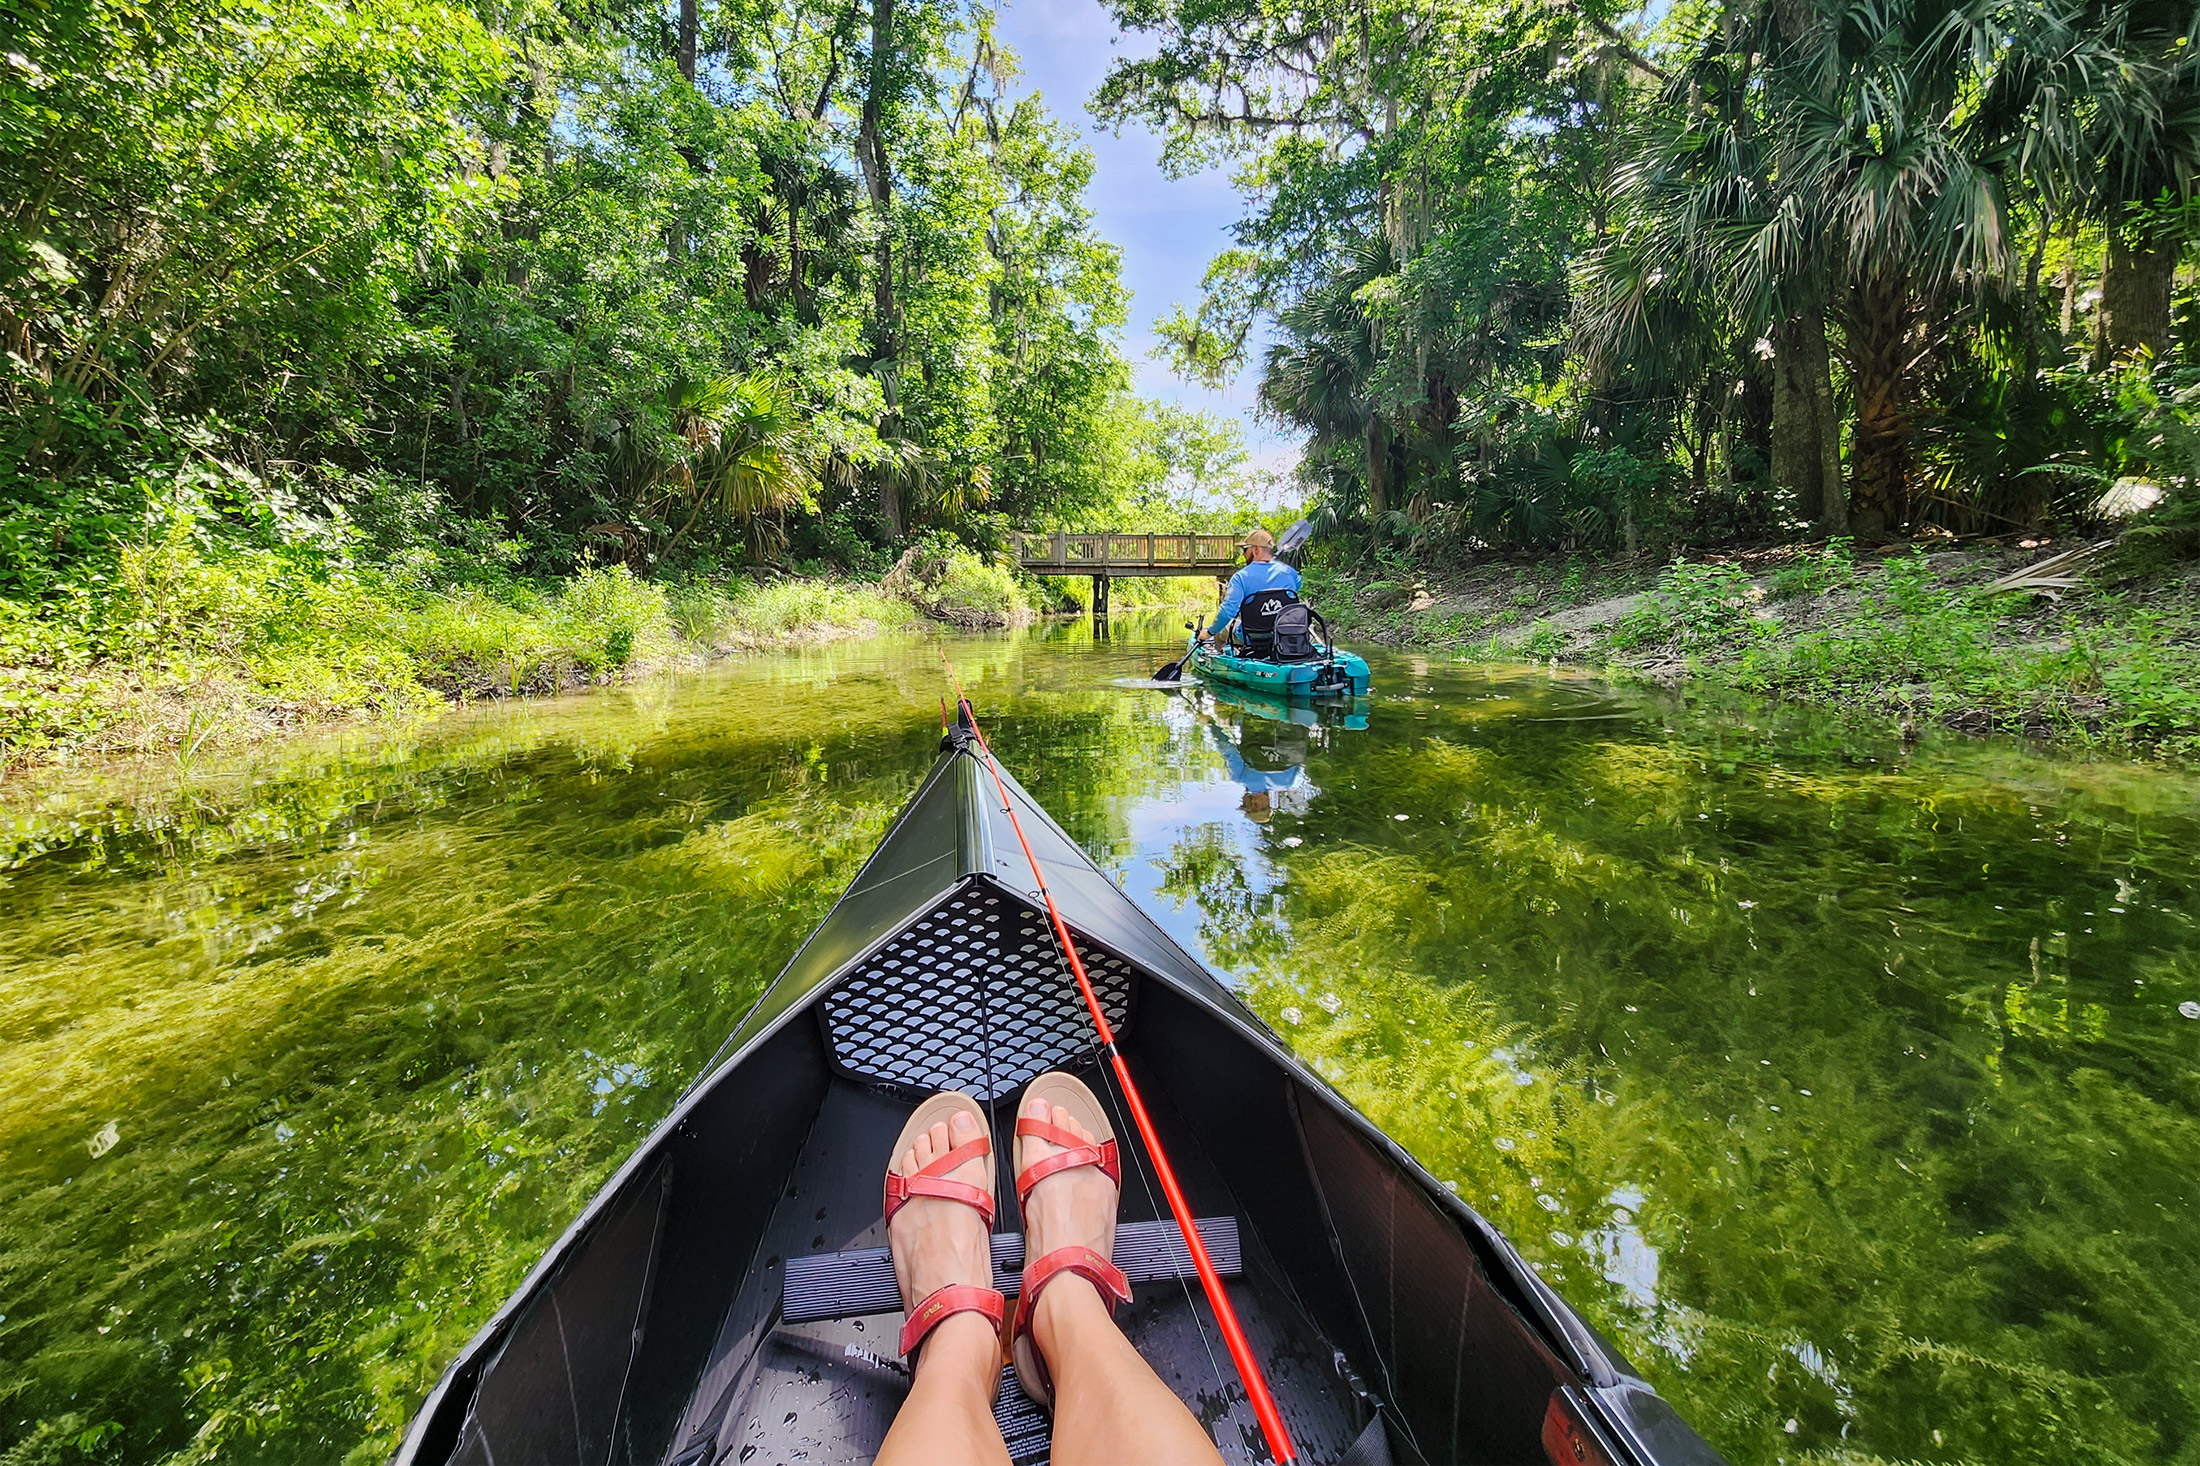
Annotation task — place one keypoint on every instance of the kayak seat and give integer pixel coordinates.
(1276, 626)
(1256, 620)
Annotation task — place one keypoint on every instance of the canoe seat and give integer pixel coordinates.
(831, 1285)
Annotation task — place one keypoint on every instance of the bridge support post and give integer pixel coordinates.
(1099, 595)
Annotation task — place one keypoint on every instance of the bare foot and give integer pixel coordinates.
(937, 1242)
(1073, 1208)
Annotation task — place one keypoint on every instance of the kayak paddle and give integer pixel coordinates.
(1174, 671)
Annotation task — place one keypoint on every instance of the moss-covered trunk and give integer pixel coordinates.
(2135, 292)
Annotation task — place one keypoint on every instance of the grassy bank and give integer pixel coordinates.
(186, 645)
(2107, 652)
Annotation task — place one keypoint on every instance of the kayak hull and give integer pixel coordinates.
(1341, 675)
(665, 1326)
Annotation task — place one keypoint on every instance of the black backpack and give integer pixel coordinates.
(1294, 633)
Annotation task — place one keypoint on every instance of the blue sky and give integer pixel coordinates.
(1167, 228)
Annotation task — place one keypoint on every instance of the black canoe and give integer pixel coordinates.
(721, 1300)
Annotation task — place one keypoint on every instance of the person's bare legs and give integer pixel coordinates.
(1110, 1408)
(948, 1418)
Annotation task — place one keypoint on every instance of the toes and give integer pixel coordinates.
(961, 1130)
(928, 1146)
(1067, 1121)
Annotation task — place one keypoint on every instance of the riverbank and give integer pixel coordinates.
(2098, 643)
(182, 652)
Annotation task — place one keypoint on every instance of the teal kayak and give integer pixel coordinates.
(1333, 674)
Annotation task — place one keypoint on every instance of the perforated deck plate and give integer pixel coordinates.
(1024, 1427)
(852, 1284)
(974, 996)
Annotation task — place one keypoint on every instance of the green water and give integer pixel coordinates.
(1846, 1086)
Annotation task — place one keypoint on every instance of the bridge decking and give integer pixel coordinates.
(1126, 555)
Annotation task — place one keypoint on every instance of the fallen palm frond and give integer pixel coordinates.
(2055, 574)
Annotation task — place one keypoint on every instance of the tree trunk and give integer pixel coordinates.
(1378, 468)
(889, 507)
(689, 25)
(1879, 468)
(1805, 347)
(878, 177)
(2135, 291)
(1795, 457)
(1833, 503)
(878, 180)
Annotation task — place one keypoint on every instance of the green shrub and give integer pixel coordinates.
(974, 590)
(757, 613)
(605, 619)
(1135, 593)
(1695, 608)
(949, 582)
(1543, 640)
(1816, 574)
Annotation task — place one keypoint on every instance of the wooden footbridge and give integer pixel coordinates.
(1108, 556)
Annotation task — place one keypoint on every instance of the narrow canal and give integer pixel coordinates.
(1852, 1087)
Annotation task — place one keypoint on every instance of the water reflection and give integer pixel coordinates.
(1847, 1083)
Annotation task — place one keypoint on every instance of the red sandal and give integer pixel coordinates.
(941, 1304)
(1094, 1265)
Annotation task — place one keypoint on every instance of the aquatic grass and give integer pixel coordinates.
(295, 1229)
(1831, 1136)
(1913, 1224)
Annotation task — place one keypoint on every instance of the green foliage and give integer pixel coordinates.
(1590, 277)
(1905, 640)
(2160, 414)
(759, 613)
(1816, 572)
(952, 584)
(399, 340)
(1695, 607)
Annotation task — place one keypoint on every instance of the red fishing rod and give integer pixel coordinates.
(1233, 1335)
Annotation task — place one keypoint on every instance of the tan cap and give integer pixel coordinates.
(1259, 539)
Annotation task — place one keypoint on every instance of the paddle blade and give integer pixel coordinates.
(1170, 671)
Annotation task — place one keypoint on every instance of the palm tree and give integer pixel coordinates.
(736, 443)
(2100, 101)
(1321, 375)
(1851, 176)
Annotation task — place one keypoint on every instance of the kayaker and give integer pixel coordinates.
(1070, 1357)
(1262, 571)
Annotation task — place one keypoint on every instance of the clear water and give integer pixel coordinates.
(1851, 1087)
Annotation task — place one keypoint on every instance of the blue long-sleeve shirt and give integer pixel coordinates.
(1260, 575)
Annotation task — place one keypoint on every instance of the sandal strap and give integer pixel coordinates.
(932, 1181)
(942, 1304)
(1076, 1153)
(1099, 1271)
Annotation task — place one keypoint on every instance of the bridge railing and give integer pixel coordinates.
(1064, 553)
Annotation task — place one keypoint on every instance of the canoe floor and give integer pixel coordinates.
(826, 1392)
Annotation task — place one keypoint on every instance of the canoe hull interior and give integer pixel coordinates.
(1395, 1324)
(1344, 676)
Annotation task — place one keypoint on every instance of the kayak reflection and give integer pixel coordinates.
(1265, 742)
(1232, 702)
